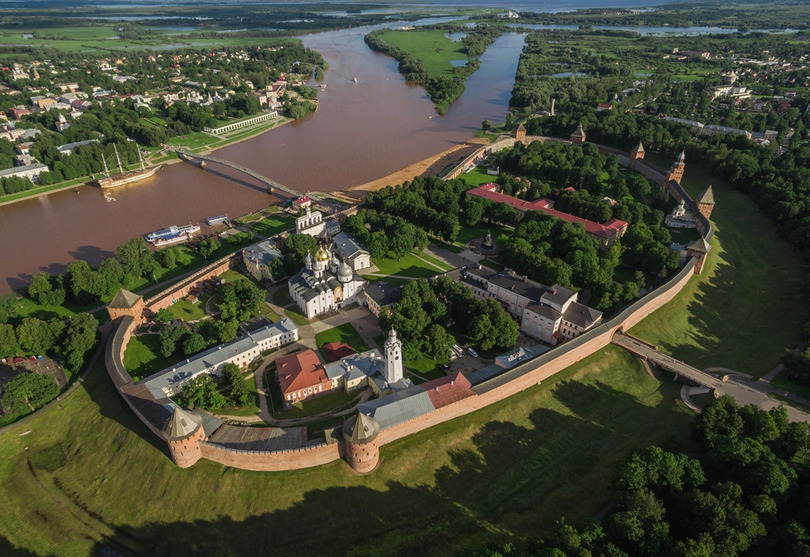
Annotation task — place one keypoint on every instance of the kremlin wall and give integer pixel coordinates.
(359, 444)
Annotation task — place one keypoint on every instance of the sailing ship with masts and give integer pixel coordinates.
(128, 177)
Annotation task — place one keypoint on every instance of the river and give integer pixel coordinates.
(361, 131)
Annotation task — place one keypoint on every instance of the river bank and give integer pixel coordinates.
(430, 166)
(160, 158)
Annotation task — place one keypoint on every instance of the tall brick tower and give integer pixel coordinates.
(360, 447)
(520, 134)
(699, 249)
(705, 202)
(636, 154)
(676, 172)
(184, 431)
(578, 136)
(126, 303)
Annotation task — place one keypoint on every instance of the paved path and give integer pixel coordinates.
(666, 361)
(738, 386)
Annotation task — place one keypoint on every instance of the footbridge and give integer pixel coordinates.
(272, 185)
(651, 354)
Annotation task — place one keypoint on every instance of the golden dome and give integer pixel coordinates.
(322, 255)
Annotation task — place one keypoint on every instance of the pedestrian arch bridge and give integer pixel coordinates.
(272, 185)
(652, 354)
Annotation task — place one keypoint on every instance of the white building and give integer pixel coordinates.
(325, 284)
(352, 251)
(257, 258)
(549, 314)
(241, 352)
(30, 171)
(310, 223)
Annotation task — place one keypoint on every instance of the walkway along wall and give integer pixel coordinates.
(488, 392)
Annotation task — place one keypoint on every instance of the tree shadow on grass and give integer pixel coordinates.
(496, 490)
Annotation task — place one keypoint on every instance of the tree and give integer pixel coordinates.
(27, 392)
(40, 284)
(136, 257)
(238, 392)
(164, 315)
(35, 336)
(202, 392)
(8, 340)
(80, 337)
(169, 337)
(226, 329)
(486, 125)
(438, 342)
(209, 246)
(193, 344)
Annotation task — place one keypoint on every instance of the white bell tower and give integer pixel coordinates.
(393, 357)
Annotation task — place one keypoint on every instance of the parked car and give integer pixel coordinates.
(472, 352)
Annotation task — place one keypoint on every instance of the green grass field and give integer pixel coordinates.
(432, 47)
(187, 311)
(92, 474)
(743, 312)
(274, 224)
(410, 266)
(142, 356)
(345, 333)
(476, 177)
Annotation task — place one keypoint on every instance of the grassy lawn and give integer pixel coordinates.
(281, 297)
(741, 312)
(495, 475)
(187, 311)
(476, 177)
(270, 226)
(249, 409)
(335, 401)
(409, 266)
(296, 317)
(142, 356)
(426, 367)
(467, 233)
(345, 333)
(432, 47)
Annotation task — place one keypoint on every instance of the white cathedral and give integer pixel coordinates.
(324, 284)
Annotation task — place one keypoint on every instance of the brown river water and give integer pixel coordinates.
(361, 131)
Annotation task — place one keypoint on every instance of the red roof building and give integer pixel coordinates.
(301, 203)
(606, 233)
(337, 351)
(301, 376)
(447, 390)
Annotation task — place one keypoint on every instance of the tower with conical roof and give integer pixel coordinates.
(698, 249)
(676, 172)
(636, 153)
(360, 447)
(393, 357)
(184, 431)
(520, 134)
(126, 303)
(578, 136)
(705, 202)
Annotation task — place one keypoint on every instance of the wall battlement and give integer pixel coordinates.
(493, 390)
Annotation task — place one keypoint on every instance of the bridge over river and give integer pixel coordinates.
(272, 185)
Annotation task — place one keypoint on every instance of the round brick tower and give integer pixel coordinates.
(361, 449)
(184, 431)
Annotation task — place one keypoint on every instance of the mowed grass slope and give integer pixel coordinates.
(432, 47)
(745, 310)
(92, 474)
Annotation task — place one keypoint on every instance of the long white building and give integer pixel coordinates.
(241, 352)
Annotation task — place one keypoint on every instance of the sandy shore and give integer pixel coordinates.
(430, 166)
